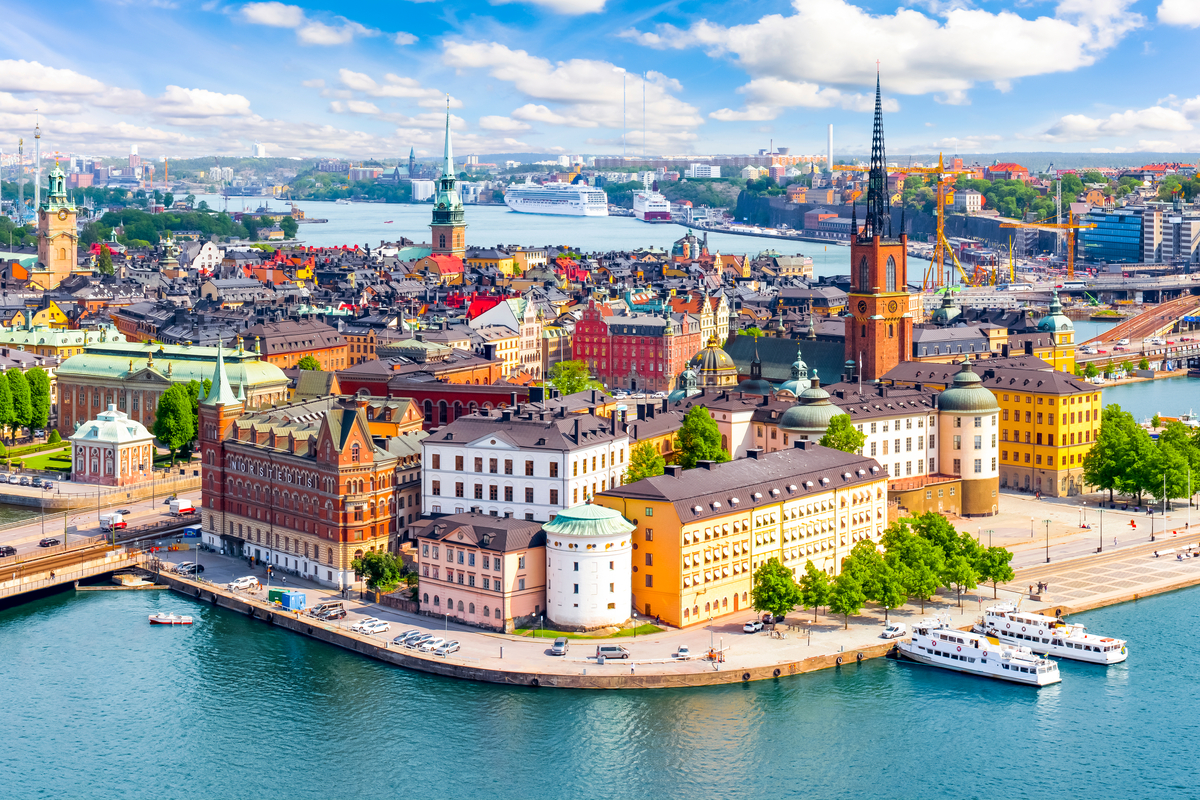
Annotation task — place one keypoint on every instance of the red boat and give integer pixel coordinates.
(169, 619)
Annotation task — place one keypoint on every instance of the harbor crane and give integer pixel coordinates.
(1069, 227)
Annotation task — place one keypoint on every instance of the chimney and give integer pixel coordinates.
(485, 411)
(649, 411)
(512, 399)
(673, 470)
(1004, 350)
(755, 453)
(706, 464)
(506, 415)
(1028, 347)
(802, 444)
(665, 405)
(593, 396)
(615, 419)
(576, 429)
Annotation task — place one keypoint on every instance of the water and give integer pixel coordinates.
(17, 513)
(237, 709)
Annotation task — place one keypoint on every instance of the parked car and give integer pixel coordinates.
(24, 480)
(683, 653)
(358, 626)
(7, 550)
(560, 647)
(48, 542)
(248, 582)
(753, 626)
(191, 569)
(332, 613)
(181, 565)
(47, 485)
(416, 641)
(894, 630)
(14, 478)
(404, 637)
(432, 644)
(378, 626)
(447, 649)
(37, 482)
(611, 651)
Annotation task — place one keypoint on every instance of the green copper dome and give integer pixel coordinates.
(589, 520)
(967, 395)
(1056, 321)
(812, 412)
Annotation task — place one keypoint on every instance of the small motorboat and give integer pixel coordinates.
(169, 619)
(387, 222)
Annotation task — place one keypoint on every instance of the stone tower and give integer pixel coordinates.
(58, 240)
(217, 413)
(879, 334)
(448, 228)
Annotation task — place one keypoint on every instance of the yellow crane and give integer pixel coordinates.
(1069, 226)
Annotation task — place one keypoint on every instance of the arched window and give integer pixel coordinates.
(354, 452)
(436, 601)
(442, 412)
(429, 411)
(890, 330)
(487, 612)
(891, 274)
(864, 275)
(471, 608)
(425, 599)
(497, 613)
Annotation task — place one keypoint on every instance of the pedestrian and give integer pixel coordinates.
(1114, 541)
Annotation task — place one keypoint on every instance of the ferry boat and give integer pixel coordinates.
(935, 644)
(341, 201)
(651, 206)
(169, 619)
(561, 199)
(1049, 636)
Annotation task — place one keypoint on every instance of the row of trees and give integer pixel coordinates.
(24, 399)
(1125, 460)
(920, 555)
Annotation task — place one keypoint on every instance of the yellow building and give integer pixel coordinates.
(500, 260)
(508, 345)
(59, 342)
(51, 317)
(701, 534)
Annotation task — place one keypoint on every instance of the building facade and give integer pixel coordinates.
(588, 568)
(58, 238)
(639, 352)
(112, 450)
(285, 343)
(448, 228)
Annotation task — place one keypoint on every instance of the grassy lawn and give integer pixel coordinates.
(642, 630)
(58, 460)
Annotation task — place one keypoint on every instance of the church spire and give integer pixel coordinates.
(448, 156)
(220, 393)
(877, 199)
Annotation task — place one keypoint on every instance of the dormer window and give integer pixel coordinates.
(355, 452)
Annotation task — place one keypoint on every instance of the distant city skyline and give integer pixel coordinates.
(553, 76)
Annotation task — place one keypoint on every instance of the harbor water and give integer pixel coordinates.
(101, 704)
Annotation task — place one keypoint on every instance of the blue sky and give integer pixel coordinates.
(371, 79)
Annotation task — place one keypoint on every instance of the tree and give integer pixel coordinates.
(194, 390)
(251, 226)
(174, 423)
(381, 570)
(645, 462)
(39, 396)
(22, 401)
(751, 331)
(104, 261)
(1144, 363)
(960, 574)
(54, 438)
(1111, 456)
(699, 439)
(570, 377)
(992, 565)
(880, 583)
(203, 206)
(7, 418)
(846, 597)
(168, 200)
(190, 200)
(774, 589)
(308, 362)
(842, 435)
(289, 227)
(814, 588)
(1090, 371)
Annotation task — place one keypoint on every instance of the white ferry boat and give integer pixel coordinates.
(935, 644)
(341, 201)
(1049, 636)
(651, 206)
(565, 199)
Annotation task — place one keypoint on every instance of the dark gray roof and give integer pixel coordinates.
(529, 430)
(712, 490)
(879, 402)
(498, 534)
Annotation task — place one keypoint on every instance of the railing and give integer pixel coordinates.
(22, 586)
(74, 545)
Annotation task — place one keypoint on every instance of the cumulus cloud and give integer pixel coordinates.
(502, 124)
(308, 31)
(401, 38)
(1179, 12)
(1079, 127)
(766, 98)
(177, 101)
(554, 92)
(392, 86)
(31, 76)
(922, 53)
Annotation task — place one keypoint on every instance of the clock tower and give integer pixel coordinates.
(448, 228)
(58, 239)
(879, 330)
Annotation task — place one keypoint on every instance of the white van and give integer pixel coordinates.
(611, 651)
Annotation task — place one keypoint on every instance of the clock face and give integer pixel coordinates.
(862, 306)
(62, 213)
(892, 306)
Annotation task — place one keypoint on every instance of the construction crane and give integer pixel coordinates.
(1069, 227)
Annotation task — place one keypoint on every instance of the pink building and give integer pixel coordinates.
(112, 450)
(482, 570)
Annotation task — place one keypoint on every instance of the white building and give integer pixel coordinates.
(648, 178)
(112, 450)
(260, 150)
(703, 171)
(520, 463)
(589, 553)
(422, 190)
(969, 201)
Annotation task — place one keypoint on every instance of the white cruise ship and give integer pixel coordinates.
(1050, 636)
(935, 644)
(565, 199)
(649, 206)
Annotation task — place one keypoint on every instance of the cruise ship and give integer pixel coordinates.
(935, 644)
(649, 206)
(565, 199)
(1049, 636)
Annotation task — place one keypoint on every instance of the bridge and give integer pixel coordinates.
(1106, 287)
(1151, 323)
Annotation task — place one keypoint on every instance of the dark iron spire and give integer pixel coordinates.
(877, 197)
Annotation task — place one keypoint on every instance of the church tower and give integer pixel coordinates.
(449, 229)
(58, 240)
(217, 413)
(879, 334)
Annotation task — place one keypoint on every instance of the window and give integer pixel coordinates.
(891, 275)
(493, 492)
(554, 497)
(864, 277)
(354, 454)
(978, 442)
(508, 494)
(437, 488)
(458, 489)
(529, 469)
(479, 491)
(957, 466)
(493, 465)
(520, 586)
(649, 581)
(574, 469)
(528, 494)
(649, 535)
(508, 466)
(479, 465)
(649, 559)
(437, 461)
(553, 469)
(978, 466)
(576, 585)
(979, 422)
(458, 463)
(575, 495)
(958, 443)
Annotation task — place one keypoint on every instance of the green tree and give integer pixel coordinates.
(1090, 371)
(251, 225)
(55, 438)
(842, 435)
(1144, 363)
(168, 200)
(194, 389)
(308, 362)
(39, 395)
(992, 564)
(814, 588)
(645, 462)
(22, 399)
(960, 574)
(774, 589)
(751, 331)
(174, 422)
(880, 583)
(289, 227)
(190, 200)
(1112, 455)
(846, 597)
(104, 261)
(570, 377)
(699, 439)
(1071, 186)
(916, 560)
(381, 570)
(7, 416)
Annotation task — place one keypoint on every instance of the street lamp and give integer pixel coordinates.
(1100, 549)
(1047, 540)
(990, 532)
(1031, 527)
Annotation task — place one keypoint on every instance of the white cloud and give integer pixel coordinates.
(502, 124)
(179, 102)
(276, 15)
(768, 97)
(570, 7)
(315, 83)
(1079, 127)
(1179, 12)
(308, 31)
(392, 86)
(921, 53)
(554, 89)
(31, 76)
(319, 33)
(402, 38)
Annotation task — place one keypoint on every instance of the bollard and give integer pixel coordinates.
(501, 651)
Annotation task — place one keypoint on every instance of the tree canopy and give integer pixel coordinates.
(174, 422)
(380, 569)
(774, 589)
(842, 435)
(699, 439)
(39, 393)
(814, 588)
(22, 400)
(645, 462)
(309, 361)
(570, 377)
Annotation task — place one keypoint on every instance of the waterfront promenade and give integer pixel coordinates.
(1079, 579)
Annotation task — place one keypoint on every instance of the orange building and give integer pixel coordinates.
(285, 343)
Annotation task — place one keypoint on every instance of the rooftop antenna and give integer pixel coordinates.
(37, 163)
(643, 115)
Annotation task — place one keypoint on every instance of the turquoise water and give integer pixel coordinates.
(99, 704)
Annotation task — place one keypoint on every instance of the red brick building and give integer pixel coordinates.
(640, 352)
